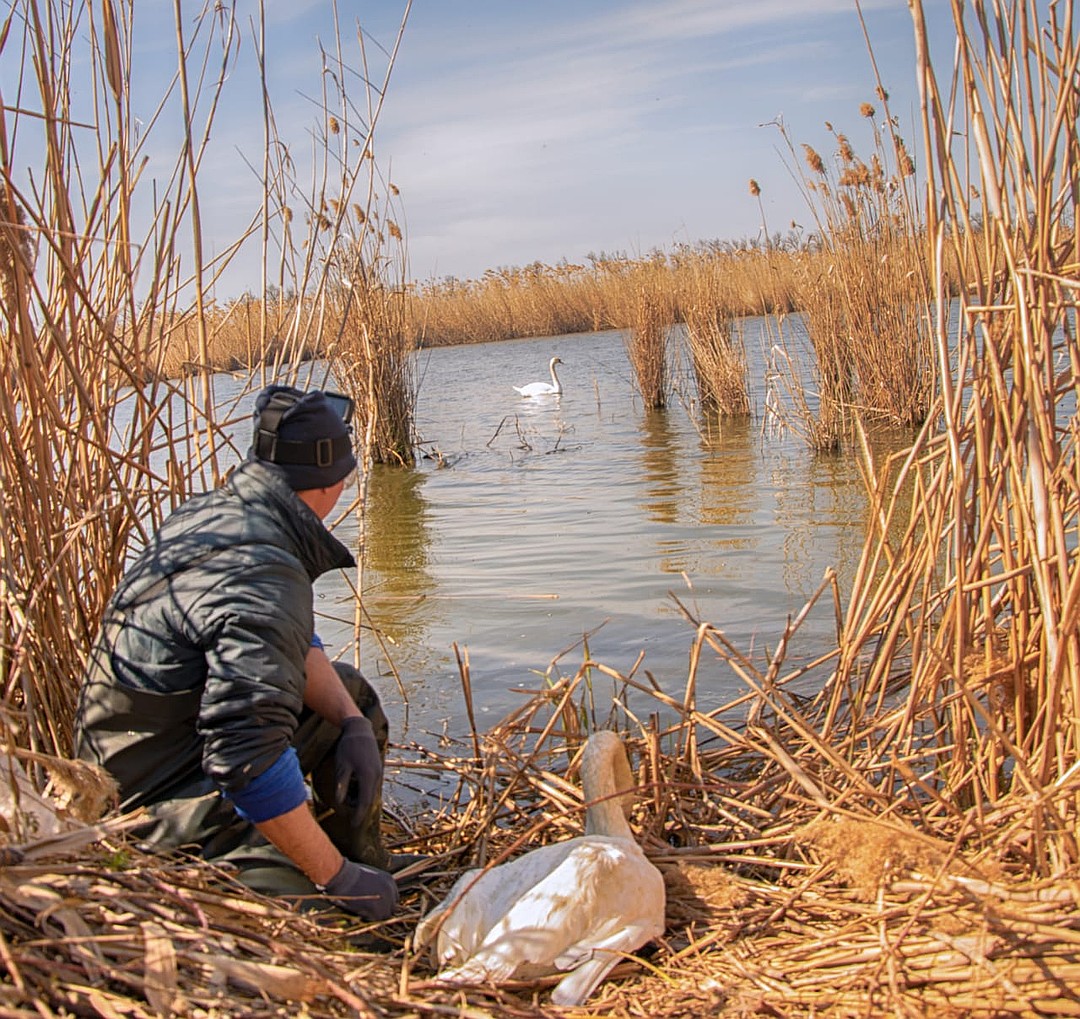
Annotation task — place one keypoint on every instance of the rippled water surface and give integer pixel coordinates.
(533, 523)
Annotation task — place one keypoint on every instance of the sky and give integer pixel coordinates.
(521, 132)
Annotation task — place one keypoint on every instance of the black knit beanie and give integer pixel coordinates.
(311, 444)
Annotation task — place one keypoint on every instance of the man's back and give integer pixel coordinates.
(196, 677)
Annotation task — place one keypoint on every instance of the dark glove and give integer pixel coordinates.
(358, 770)
(365, 891)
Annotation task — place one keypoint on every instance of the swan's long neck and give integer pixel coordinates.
(605, 772)
(554, 377)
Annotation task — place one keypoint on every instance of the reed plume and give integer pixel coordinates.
(864, 295)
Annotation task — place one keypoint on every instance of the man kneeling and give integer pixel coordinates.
(208, 695)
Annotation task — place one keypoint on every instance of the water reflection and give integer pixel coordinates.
(795, 517)
(555, 517)
(397, 543)
(730, 491)
(660, 467)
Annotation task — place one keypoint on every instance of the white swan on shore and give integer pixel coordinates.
(575, 907)
(553, 388)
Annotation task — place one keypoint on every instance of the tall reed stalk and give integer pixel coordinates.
(108, 415)
(964, 633)
(361, 292)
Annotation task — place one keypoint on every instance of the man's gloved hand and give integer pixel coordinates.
(358, 772)
(365, 891)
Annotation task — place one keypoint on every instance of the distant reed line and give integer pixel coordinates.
(743, 280)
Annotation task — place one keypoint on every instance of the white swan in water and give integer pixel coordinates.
(574, 907)
(553, 388)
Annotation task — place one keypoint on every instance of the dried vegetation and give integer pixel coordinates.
(892, 829)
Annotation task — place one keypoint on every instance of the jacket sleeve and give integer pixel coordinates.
(257, 630)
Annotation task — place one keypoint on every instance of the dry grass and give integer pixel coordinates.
(891, 829)
(648, 345)
(794, 884)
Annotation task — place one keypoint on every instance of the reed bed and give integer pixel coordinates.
(865, 296)
(537, 300)
(717, 354)
(366, 343)
(95, 448)
(109, 416)
(785, 892)
(890, 828)
(648, 345)
(978, 595)
(543, 300)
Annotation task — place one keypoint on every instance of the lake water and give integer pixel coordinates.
(533, 523)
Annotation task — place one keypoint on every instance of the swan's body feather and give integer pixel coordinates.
(552, 388)
(576, 907)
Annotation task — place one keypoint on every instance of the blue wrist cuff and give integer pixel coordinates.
(316, 641)
(276, 791)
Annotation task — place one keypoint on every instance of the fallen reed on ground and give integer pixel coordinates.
(789, 887)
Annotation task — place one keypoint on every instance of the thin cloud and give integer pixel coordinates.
(525, 132)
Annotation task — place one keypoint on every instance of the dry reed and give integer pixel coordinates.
(94, 449)
(864, 296)
(717, 356)
(889, 829)
(648, 344)
(794, 883)
(109, 417)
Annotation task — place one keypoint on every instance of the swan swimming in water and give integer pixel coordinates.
(575, 907)
(552, 388)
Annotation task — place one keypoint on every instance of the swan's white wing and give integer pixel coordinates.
(629, 911)
(479, 899)
(536, 389)
(559, 915)
(587, 973)
(431, 928)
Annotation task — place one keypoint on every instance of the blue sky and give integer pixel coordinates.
(520, 132)
(547, 131)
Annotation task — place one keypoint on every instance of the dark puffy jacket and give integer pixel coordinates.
(196, 679)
